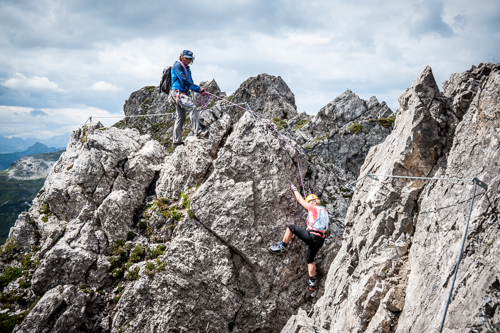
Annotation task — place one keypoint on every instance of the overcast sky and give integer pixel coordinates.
(62, 61)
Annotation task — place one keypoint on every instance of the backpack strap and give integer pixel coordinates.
(185, 69)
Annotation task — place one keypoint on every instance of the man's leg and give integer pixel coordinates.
(187, 103)
(179, 122)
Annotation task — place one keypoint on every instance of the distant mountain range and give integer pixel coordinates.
(20, 184)
(38, 148)
(16, 144)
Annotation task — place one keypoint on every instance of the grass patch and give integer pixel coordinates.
(318, 139)
(386, 122)
(279, 123)
(10, 274)
(356, 128)
(150, 89)
(301, 124)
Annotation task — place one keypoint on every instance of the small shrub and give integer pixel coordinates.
(45, 218)
(160, 249)
(136, 254)
(114, 261)
(117, 249)
(131, 235)
(157, 240)
(176, 215)
(116, 298)
(160, 267)
(142, 225)
(120, 288)
(191, 213)
(27, 261)
(150, 269)
(133, 275)
(165, 200)
(9, 274)
(101, 292)
(117, 273)
(45, 208)
(24, 284)
(83, 286)
(10, 245)
(185, 201)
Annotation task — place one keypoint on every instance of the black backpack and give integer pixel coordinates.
(166, 80)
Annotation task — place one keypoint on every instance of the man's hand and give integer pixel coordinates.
(294, 188)
(203, 92)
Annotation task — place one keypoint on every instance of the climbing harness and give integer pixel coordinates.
(476, 182)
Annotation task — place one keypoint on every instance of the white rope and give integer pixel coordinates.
(374, 176)
(142, 115)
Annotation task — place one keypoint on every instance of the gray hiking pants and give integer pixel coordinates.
(186, 105)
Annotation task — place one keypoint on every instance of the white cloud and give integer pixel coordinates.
(105, 86)
(21, 82)
(19, 121)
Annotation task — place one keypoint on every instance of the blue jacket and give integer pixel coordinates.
(180, 81)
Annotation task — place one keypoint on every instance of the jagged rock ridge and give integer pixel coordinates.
(128, 235)
(402, 236)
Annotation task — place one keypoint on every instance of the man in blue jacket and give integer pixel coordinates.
(180, 94)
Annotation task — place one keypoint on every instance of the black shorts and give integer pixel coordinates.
(314, 242)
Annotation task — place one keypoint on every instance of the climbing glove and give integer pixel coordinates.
(294, 188)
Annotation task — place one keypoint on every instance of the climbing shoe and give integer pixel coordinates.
(177, 144)
(311, 282)
(280, 248)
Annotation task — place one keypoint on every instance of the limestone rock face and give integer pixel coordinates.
(402, 236)
(344, 130)
(61, 309)
(267, 95)
(131, 235)
(89, 200)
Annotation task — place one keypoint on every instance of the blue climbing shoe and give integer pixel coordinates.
(280, 248)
